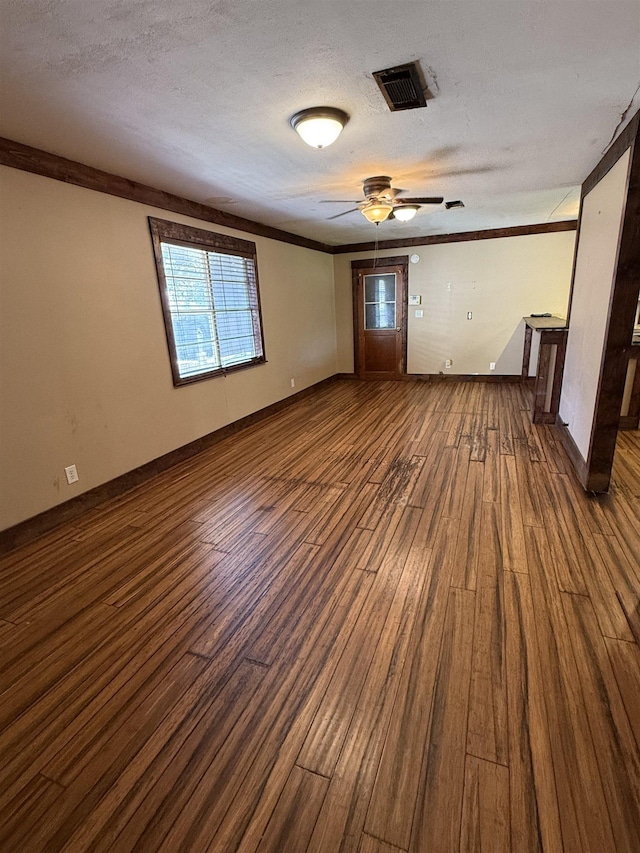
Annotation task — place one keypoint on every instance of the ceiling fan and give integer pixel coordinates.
(381, 201)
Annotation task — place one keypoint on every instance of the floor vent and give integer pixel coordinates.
(402, 87)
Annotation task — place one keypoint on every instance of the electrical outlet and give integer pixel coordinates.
(71, 473)
(449, 285)
(293, 383)
(492, 365)
(448, 362)
(469, 315)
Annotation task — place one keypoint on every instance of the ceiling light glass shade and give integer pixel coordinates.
(377, 211)
(405, 212)
(319, 126)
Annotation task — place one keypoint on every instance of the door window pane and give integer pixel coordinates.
(380, 316)
(380, 301)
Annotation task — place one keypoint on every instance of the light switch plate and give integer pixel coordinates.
(420, 313)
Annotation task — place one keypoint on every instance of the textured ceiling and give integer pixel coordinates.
(194, 97)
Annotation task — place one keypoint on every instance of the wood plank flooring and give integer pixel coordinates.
(385, 619)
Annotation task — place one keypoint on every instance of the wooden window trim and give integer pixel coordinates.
(164, 231)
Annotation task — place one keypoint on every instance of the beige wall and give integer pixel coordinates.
(499, 281)
(601, 220)
(85, 376)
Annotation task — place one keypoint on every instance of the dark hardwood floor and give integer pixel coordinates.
(385, 619)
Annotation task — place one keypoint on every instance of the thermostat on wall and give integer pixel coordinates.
(414, 259)
(415, 299)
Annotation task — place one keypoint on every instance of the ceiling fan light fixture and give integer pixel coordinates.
(319, 126)
(377, 211)
(405, 212)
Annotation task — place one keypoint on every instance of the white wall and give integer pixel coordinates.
(498, 280)
(85, 376)
(602, 216)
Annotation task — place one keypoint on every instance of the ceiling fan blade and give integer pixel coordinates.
(423, 200)
(353, 209)
(339, 201)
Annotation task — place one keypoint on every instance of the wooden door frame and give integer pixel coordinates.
(373, 263)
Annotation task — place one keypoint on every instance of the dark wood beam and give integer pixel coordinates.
(460, 237)
(612, 156)
(28, 159)
(622, 312)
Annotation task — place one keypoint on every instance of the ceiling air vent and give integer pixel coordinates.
(402, 87)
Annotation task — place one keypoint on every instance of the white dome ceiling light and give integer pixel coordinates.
(319, 126)
(405, 212)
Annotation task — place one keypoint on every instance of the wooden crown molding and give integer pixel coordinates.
(460, 237)
(28, 159)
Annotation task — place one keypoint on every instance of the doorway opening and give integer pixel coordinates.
(380, 289)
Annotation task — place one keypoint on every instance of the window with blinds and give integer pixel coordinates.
(210, 298)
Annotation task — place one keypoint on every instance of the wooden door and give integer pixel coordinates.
(380, 317)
